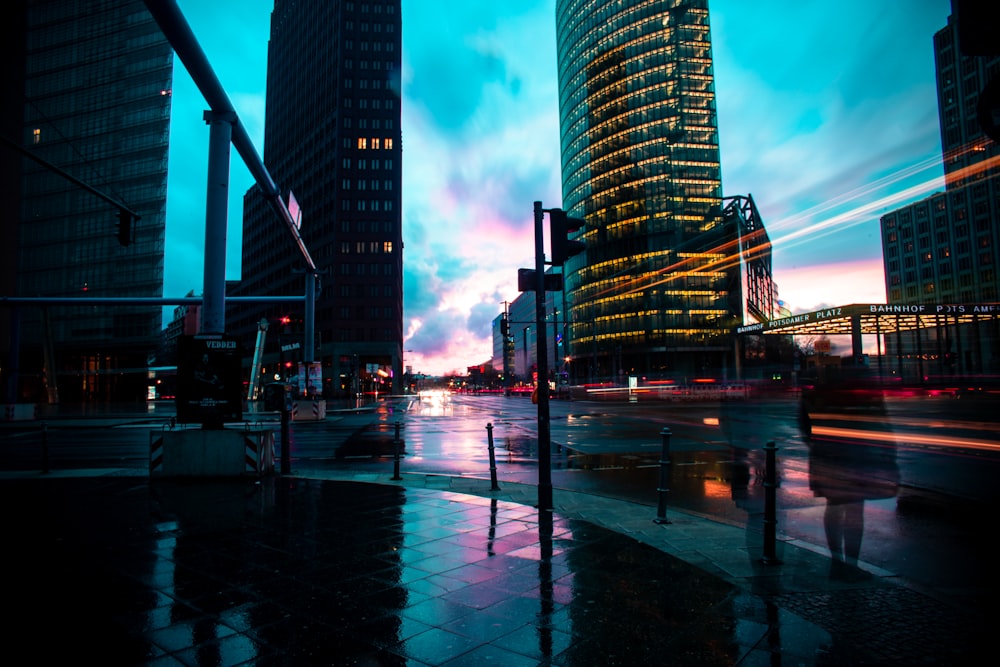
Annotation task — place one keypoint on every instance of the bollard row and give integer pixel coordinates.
(770, 495)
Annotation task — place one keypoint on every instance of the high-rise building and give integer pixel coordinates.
(656, 291)
(94, 105)
(332, 138)
(946, 248)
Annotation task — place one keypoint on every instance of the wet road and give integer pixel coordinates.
(925, 524)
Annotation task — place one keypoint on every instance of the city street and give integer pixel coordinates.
(921, 517)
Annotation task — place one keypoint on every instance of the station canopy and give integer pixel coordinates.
(875, 318)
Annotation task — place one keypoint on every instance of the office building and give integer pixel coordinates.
(945, 249)
(515, 351)
(656, 291)
(331, 139)
(93, 129)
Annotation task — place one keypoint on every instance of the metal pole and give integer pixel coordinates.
(213, 311)
(309, 342)
(661, 506)
(286, 454)
(541, 351)
(395, 464)
(493, 459)
(770, 506)
(175, 28)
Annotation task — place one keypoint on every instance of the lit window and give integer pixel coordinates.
(37, 135)
(362, 143)
(388, 144)
(375, 143)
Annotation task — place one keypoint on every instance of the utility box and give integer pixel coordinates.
(277, 396)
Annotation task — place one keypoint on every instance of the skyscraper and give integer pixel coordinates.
(656, 290)
(947, 247)
(332, 137)
(95, 110)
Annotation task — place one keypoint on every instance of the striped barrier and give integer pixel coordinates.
(155, 453)
(309, 410)
(198, 453)
(259, 452)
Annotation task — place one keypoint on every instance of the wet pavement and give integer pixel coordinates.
(341, 567)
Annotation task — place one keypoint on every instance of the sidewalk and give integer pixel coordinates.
(428, 570)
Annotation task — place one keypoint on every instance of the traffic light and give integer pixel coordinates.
(125, 220)
(504, 327)
(561, 226)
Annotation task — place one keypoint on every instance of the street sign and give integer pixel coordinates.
(294, 210)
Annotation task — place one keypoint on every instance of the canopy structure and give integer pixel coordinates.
(941, 339)
(875, 318)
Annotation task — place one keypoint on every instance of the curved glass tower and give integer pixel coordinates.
(657, 291)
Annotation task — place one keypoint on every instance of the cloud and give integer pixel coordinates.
(817, 106)
(809, 288)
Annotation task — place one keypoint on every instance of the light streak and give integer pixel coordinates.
(905, 438)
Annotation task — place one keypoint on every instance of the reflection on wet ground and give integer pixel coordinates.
(305, 572)
(708, 473)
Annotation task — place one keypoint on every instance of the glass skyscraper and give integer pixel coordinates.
(332, 137)
(656, 292)
(95, 109)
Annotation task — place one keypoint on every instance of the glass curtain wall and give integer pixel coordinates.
(651, 295)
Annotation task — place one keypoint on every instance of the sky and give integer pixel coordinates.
(827, 117)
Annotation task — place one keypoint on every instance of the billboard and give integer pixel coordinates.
(209, 380)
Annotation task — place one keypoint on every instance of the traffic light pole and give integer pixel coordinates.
(213, 309)
(542, 346)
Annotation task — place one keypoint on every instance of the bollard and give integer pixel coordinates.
(770, 506)
(661, 507)
(395, 463)
(45, 447)
(493, 460)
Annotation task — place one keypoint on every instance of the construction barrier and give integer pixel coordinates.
(207, 452)
(309, 410)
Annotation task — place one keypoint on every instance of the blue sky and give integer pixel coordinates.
(827, 116)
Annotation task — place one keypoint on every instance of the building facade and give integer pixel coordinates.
(945, 249)
(95, 116)
(332, 138)
(515, 351)
(656, 291)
